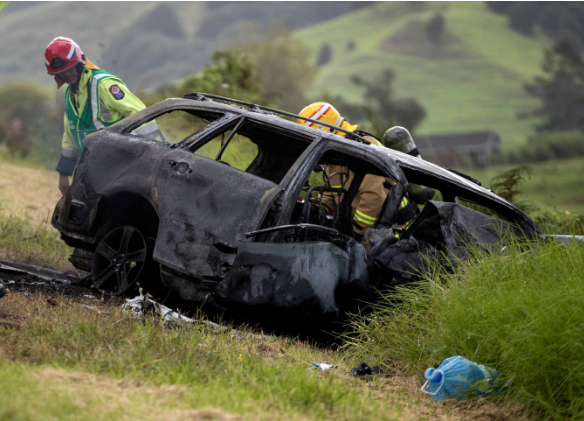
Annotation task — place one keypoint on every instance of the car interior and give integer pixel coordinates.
(309, 207)
(255, 148)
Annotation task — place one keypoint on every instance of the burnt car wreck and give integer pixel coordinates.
(217, 214)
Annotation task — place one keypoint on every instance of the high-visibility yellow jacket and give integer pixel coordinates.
(99, 100)
(367, 203)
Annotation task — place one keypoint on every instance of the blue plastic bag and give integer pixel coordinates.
(459, 378)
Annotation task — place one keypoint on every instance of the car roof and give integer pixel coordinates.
(408, 164)
(402, 159)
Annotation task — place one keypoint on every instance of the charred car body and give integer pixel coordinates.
(176, 216)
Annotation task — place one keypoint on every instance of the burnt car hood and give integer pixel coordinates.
(418, 171)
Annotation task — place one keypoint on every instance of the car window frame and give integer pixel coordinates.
(198, 139)
(134, 123)
(454, 188)
(239, 119)
(304, 165)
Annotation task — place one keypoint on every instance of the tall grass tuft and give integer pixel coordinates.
(520, 311)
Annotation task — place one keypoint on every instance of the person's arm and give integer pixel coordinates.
(337, 177)
(120, 102)
(118, 98)
(68, 160)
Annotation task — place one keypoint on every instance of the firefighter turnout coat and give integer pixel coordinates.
(368, 202)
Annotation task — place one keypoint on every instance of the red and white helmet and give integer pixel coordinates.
(62, 54)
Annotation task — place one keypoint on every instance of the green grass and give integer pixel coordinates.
(245, 375)
(34, 393)
(553, 184)
(34, 162)
(26, 242)
(520, 311)
(474, 81)
(28, 194)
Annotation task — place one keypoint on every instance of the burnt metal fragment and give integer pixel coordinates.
(363, 369)
(454, 228)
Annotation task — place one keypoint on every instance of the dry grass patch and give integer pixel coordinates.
(27, 199)
(59, 394)
(28, 193)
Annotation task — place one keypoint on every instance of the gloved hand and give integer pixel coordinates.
(318, 201)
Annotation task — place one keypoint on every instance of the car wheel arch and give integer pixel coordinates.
(125, 208)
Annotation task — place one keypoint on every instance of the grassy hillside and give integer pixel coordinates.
(553, 184)
(107, 35)
(472, 81)
(146, 43)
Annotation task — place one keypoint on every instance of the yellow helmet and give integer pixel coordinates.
(325, 112)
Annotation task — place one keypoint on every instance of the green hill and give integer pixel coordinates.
(555, 184)
(146, 43)
(472, 81)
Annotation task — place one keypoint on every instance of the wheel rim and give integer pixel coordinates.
(118, 260)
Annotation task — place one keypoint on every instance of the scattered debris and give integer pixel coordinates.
(66, 285)
(322, 366)
(41, 273)
(9, 269)
(141, 304)
(62, 284)
(92, 308)
(363, 369)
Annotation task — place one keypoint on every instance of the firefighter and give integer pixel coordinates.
(94, 99)
(368, 202)
(399, 139)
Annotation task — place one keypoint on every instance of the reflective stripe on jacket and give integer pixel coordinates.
(100, 100)
(367, 203)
